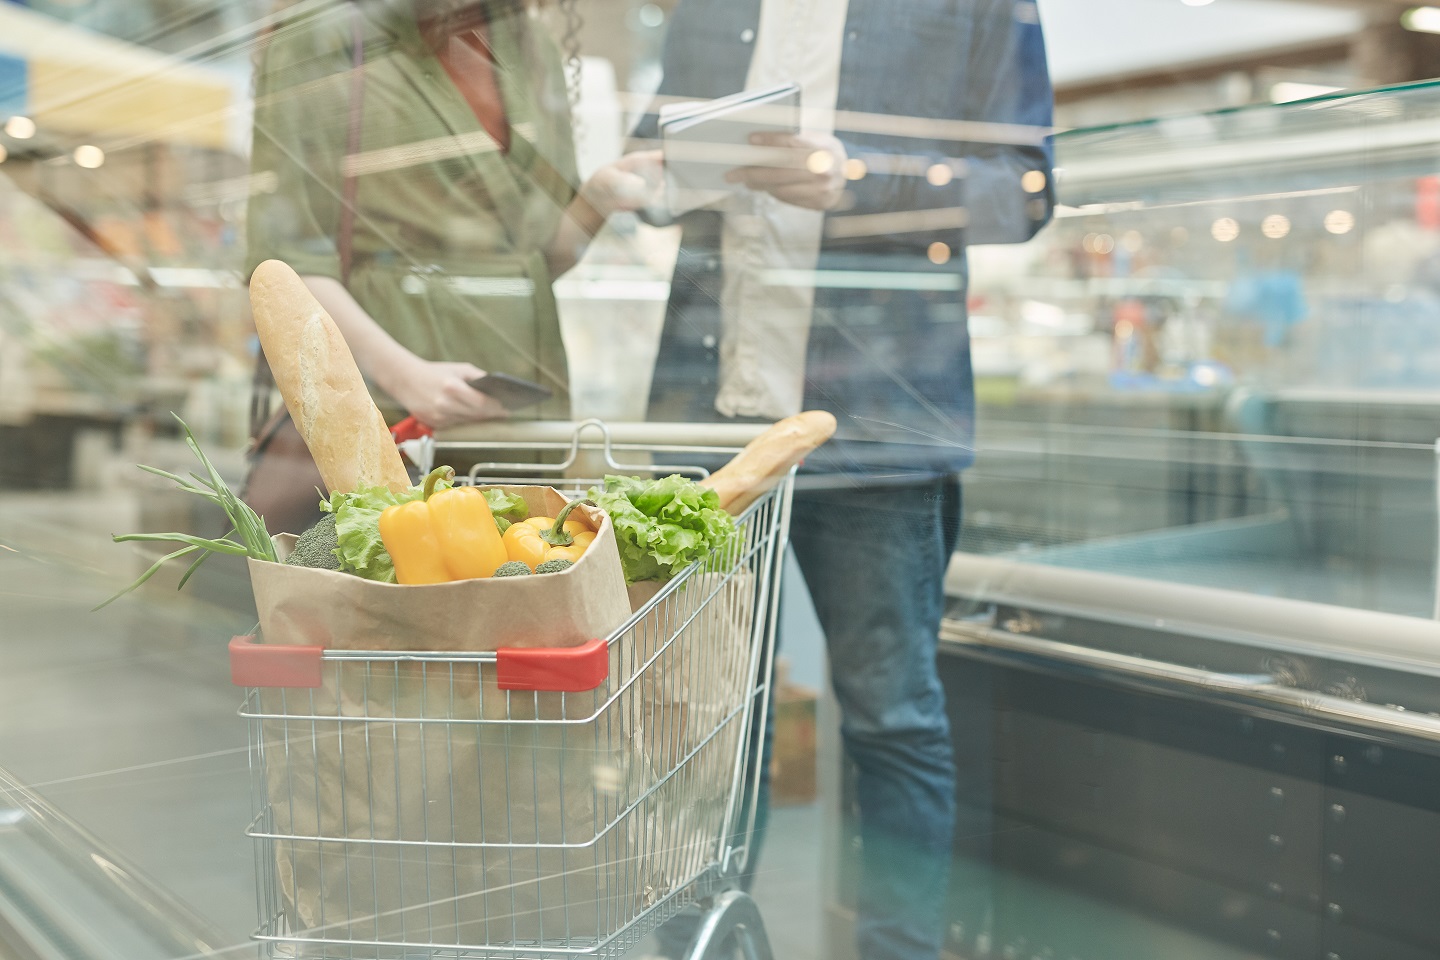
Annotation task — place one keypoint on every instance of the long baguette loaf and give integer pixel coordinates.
(321, 384)
(768, 457)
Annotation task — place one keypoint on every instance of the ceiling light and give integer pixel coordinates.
(820, 162)
(21, 128)
(89, 156)
(1225, 229)
(1421, 19)
(1339, 222)
(1276, 226)
(1197, 3)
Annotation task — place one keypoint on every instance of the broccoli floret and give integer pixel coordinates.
(513, 568)
(316, 546)
(554, 566)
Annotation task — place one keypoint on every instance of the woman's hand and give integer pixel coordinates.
(435, 392)
(438, 393)
(631, 183)
(809, 172)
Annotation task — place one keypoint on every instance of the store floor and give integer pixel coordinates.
(125, 720)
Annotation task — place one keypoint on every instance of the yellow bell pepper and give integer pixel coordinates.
(450, 535)
(535, 540)
(469, 539)
(410, 539)
(583, 539)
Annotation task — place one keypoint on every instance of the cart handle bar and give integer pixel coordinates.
(707, 436)
(532, 669)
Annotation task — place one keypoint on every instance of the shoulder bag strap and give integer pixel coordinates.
(352, 143)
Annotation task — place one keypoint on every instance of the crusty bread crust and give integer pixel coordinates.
(321, 384)
(768, 457)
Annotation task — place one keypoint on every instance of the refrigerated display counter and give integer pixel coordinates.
(1257, 770)
(1191, 651)
(65, 895)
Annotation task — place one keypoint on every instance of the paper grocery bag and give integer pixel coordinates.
(698, 642)
(304, 606)
(383, 783)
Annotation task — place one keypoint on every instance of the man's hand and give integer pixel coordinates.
(438, 394)
(809, 170)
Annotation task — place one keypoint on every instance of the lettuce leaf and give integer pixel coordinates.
(510, 507)
(662, 526)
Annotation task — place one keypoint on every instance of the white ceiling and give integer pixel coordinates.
(1092, 39)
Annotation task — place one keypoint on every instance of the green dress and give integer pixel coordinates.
(450, 232)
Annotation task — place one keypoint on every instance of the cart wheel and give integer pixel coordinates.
(732, 923)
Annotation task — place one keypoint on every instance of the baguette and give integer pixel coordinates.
(768, 457)
(322, 386)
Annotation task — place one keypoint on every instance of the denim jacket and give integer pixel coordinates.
(961, 84)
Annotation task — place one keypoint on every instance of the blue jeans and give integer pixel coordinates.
(874, 558)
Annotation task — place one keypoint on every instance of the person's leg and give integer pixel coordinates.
(875, 560)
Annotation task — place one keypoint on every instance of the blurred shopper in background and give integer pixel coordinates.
(414, 163)
(834, 277)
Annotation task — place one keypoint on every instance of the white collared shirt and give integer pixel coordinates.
(770, 249)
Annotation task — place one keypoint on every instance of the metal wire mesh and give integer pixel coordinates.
(409, 807)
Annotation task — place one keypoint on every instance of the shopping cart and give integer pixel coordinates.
(521, 804)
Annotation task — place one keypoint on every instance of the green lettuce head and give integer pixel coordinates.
(662, 526)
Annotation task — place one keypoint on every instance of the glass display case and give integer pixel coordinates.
(1192, 656)
(1248, 297)
(63, 893)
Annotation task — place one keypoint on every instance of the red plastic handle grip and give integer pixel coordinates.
(553, 669)
(271, 665)
(411, 429)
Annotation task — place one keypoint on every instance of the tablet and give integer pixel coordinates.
(706, 140)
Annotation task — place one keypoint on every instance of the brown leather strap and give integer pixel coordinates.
(352, 142)
(260, 388)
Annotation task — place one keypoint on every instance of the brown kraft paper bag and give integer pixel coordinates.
(692, 697)
(393, 773)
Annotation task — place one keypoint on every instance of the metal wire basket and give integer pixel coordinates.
(562, 804)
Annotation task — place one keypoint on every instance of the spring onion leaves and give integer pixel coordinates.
(247, 536)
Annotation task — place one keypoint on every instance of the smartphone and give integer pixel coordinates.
(513, 392)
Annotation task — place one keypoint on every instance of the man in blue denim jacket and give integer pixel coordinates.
(938, 138)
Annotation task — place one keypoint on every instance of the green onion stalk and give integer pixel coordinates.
(247, 536)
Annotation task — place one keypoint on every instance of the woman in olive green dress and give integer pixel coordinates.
(454, 141)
